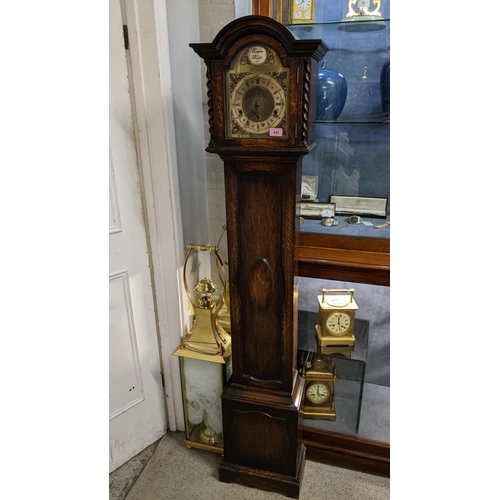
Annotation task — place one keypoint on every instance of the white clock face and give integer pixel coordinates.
(317, 393)
(303, 4)
(338, 323)
(258, 103)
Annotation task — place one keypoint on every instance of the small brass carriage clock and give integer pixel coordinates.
(302, 11)
(335, 327)
(321, 375)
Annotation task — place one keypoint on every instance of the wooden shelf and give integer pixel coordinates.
(351, 452)
(345, 258)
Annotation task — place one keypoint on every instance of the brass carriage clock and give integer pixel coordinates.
(335, 328)
(321, 375)
(261, 102)
(302, 11)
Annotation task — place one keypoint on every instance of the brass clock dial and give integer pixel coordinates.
(318, 393)
(258, 103)
(338, 323)
(257, 87)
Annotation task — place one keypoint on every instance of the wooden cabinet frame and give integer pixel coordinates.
(345, 258)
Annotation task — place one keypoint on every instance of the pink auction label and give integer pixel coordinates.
(276, 132)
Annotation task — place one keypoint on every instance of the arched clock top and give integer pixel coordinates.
(255, 26)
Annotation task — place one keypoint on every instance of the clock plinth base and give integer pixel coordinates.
(317, 414)
(263, 479)
(339, 350)
(263, 438)
(325, 341)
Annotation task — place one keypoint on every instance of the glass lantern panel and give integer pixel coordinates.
(202, 384)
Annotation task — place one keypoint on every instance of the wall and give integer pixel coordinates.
(201, 180)
(201, 174)
(216, 14)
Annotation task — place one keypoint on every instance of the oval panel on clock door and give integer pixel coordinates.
(260, 284)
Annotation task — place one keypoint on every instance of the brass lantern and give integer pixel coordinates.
(205, 362)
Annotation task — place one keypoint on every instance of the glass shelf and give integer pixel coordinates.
(364, 24)
(346, 229)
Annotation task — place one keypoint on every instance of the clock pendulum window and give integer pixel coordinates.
(261, 105)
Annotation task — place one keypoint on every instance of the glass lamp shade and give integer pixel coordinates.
(203, 381)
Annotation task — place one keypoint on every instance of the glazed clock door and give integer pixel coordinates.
(136, 410)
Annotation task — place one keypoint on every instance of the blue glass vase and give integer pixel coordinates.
(332, 94)
(385, 86)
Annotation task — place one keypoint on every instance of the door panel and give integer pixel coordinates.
(136, 408)
(125, 379)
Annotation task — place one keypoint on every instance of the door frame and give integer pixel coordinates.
(151, 92)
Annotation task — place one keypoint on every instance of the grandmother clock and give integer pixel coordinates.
(261, 105)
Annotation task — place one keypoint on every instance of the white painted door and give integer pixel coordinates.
(137, 414)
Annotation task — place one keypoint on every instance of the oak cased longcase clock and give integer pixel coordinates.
(261, 85)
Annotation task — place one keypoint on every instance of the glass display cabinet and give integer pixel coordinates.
(345, 225)
(359, 434)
